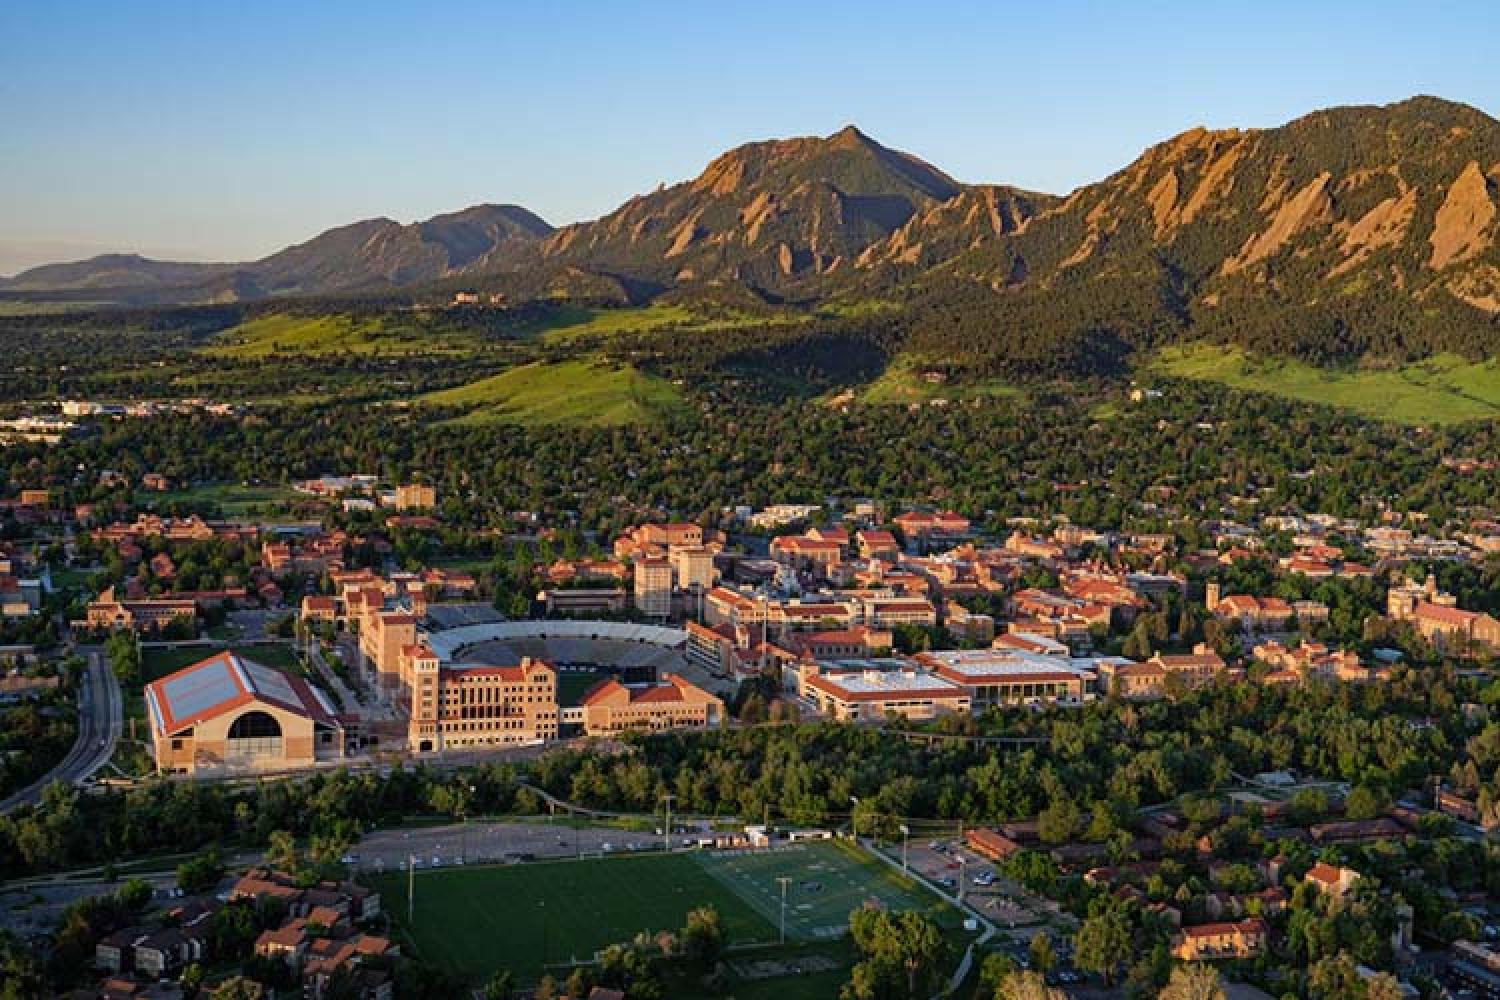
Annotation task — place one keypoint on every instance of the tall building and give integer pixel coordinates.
(653, 587)
(471, 706)
(414, 496)
(693, 567)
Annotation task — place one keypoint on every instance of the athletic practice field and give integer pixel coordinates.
(474, 920)
(827, 880)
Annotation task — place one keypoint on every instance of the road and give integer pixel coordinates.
(101, 710)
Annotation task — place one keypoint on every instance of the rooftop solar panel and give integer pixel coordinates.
(271, 683)
(199, 690)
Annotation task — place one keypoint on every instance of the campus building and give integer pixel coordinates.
(868, 690)
(671, 703)
(471, 706)
(227, 713)
(1009, 676)
(108, 613)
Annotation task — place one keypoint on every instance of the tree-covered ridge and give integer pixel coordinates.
(1351, 232)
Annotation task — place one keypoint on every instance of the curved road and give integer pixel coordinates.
(101, 711)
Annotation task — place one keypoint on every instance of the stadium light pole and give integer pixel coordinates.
(783, 881)
(905, 836)
(854, 816)
(666, 840)
(411, 887)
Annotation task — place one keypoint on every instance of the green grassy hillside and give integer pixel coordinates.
(1440, 390)
(903, 383)
(575, 323)
(586, 392)
(286, 333)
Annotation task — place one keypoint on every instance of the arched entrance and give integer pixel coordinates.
(255, 734)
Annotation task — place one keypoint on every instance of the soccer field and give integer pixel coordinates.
(475, 920)
(827, 881)
(526, 917)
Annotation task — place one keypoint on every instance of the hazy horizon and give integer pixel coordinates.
(207, 134)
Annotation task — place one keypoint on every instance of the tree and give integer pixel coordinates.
(200, 872)
(124, 655)
(281, 852)
(1059, 822)
(238, 988)
(900, 955)
(1193, 982)
(135, 894)
(500, 986)
(702, 938)
(1103, 943)
(1382, 986)
(1027, 984)
(1040, 952)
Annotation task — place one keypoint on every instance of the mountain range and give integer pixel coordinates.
(1355, 222)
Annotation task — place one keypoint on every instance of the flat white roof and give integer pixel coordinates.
(991, 662)
(891, 682)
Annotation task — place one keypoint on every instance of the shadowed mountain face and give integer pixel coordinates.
(1361, 218)
(1319, 236)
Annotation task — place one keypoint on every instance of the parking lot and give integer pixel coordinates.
(1017, 913)
(471, 843)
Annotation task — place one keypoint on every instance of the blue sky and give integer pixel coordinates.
(225, 131)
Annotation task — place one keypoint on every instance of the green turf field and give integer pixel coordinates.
(830, 879)
(1440, 390)
(234, 499)
(573, 684)
(478, 919)
(585, 392)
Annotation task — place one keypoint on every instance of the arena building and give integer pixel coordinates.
(230, 714)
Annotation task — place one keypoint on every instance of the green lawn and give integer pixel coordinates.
(478, 919)
(583, 392)
(571, 323)
(1440, 390)
(286, 333)
(902, 383)
(234, 499)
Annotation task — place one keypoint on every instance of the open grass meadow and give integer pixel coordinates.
(540, 915)
(1439, 390)
(902, 383)
(582, 392)
(334, 333)
(575, 323)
